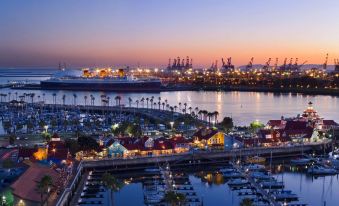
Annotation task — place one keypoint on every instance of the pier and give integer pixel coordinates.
(200, 157)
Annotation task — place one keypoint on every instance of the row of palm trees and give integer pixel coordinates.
(145, 103)
(3, 96)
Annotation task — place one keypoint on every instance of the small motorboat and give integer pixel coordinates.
(255, 159)
(285, 195)
(232, 174)
(254, 167)
(320, 170)
(227, 170)
(272, 184)
(260, 176)
(237, 182)
(301, 161)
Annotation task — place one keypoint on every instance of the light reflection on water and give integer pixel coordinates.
(244, 107)
(213, 189)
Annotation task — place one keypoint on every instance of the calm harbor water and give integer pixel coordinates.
(213, 190)
(244, 107)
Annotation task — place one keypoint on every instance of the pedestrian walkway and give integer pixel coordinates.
(77, 193)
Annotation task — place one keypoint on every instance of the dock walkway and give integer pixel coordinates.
(257, 187)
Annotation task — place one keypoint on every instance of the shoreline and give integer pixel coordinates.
(226, 88)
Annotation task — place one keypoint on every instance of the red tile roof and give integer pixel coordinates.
(205, 133)
(330, 123)
(275, 123)
(25, 186)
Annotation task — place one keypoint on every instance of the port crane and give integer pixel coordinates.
(250, 64)
(228, 65)
(283, 67)
(276, 64)
(325, 63)
(267, 65)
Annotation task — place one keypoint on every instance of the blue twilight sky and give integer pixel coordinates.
(148, 32)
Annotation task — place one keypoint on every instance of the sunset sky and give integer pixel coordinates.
(148, 32)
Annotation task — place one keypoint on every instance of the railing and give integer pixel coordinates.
(67, 194)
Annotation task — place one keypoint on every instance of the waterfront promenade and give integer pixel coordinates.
(203, 157)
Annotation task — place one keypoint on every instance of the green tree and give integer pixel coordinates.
(111, 183)
(256, 125)
(87, 143)
(227, 123)
(46, 136)
(175, 199)
(246, 202)
(72, 145)
(43, 187)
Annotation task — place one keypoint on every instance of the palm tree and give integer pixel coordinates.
(159, 102)
(9, 96)
(54, 98)
(93, 100)
(63, 99)
(32, 97)
(174, 198)
(147, 99)
(163, 106)
(85, 98)
(108, 100)
(175, 108)
(130, 101)
(200, 114)
(43, 187)
(151, 101)
(209, 115)
(205, 114)
(117, 100)
(43, 97)
(143, 102)
(190, 109)
(137, 102)
(112, 184)
(185, 105)
(75, 99)
(179, 106)
(216, 113)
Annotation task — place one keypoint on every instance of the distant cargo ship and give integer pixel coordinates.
(101, 80)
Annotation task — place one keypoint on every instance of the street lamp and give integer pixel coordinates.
(46, 128)
(21, 203)
(3, 202)
(171, 123)
(54, 150)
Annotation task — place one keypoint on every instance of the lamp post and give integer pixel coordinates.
(171, 123)
(54, 150)
(3, 200)
(46, 128)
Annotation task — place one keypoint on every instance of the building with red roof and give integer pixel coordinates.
(208, 137)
